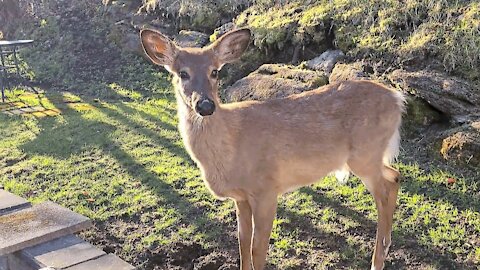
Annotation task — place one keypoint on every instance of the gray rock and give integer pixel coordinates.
(343, 72)
(274, 81)
(186, 38)
(220, 31)
(326, 61)
(456, 98)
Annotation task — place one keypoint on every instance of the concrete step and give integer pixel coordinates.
(38, 224)
(10, 202)
(60, 253)
(107, 262)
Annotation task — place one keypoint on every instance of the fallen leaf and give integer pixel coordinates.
(451, 180)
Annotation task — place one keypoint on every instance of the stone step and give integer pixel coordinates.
(107, 262)
(38, 224)
(60, 253)
(10, 202)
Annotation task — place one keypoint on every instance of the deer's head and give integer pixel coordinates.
(196, 69)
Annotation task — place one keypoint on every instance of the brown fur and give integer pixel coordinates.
(254, 151)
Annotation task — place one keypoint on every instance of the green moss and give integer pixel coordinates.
(313, 20)
(420, 113)
(274, 27)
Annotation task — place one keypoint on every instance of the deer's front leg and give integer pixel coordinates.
(264, 207)
(244, 220)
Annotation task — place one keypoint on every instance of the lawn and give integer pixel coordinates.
(120, 161)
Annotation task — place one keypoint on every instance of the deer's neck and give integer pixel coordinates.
(209, 141)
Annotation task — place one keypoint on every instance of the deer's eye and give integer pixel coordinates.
(184, 75)
(214, 74)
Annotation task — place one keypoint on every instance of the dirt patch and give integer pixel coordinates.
(191, 256)
(183, 254)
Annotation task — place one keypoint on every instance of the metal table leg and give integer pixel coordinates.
(2, 81)
(15, 60)
(2, 84)
(1, 57)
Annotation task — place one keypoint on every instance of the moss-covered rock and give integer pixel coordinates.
(274, 81)
(199, 15)
(281, 28)
(420, 114)
(455, 97)
(443, 33)
(462, 144)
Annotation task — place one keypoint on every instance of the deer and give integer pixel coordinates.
(254, 151)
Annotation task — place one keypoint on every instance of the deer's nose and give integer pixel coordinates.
(205, 107)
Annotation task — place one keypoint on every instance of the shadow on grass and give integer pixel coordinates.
(173, 148)
(77, 133)
(328, 242)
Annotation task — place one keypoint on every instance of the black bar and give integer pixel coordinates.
(15, 59)
(1, 55)
(2, 85)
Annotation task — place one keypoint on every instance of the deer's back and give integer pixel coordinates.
(341, 108)
(308, 135)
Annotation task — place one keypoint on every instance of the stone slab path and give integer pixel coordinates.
(10, 202)
(61, 253)
(41, 237)
(38, 224)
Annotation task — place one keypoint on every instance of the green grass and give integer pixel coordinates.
(114, 153)
(122, 164)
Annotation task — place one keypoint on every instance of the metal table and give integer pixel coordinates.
(9, 48)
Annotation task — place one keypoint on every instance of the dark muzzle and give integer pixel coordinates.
(205, 107)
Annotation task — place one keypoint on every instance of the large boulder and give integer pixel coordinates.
(452, 96)
(274, 81)
(186, 38)
(462, 144)
(326, 61)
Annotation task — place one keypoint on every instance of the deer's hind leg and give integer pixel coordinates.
(382, 182)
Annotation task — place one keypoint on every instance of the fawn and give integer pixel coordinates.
(254, 151)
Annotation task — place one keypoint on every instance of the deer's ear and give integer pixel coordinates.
(231, 46)
(159, 48)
